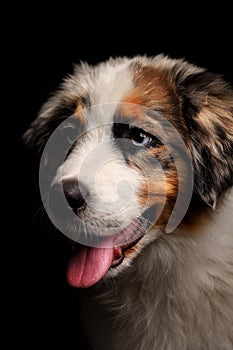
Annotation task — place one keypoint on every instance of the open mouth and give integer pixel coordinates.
(88, 265)
(129, 238)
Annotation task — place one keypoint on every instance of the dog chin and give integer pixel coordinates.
(132, 253)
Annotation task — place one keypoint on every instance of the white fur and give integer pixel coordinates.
(97, 164)
(107, 82)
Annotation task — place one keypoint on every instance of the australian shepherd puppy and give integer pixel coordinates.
(139, 156)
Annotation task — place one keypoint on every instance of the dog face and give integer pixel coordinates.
(119, 174)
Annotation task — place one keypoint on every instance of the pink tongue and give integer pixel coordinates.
(88, 265)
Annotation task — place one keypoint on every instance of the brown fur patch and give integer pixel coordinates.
(131, 250)
(78, 113)
(159, 189)
(152, 89)
(155, 90)
(78, 110)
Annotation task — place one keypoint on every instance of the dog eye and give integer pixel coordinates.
(140, 137)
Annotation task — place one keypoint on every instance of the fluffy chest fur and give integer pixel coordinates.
(176, 295)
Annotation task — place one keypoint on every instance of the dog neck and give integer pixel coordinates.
(171, 290)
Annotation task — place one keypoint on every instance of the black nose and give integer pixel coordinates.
(76, 194)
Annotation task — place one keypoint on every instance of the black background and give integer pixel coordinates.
(44, 46)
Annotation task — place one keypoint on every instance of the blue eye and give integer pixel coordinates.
(140, 137)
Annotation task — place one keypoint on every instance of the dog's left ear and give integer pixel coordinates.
(207, 102)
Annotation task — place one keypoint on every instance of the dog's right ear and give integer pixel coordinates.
(52, 114)
(37, 134)
(62, 104)
(52, 150)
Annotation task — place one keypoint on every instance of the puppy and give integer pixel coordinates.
(146, 191)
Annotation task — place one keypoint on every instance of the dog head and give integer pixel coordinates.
(130, 128)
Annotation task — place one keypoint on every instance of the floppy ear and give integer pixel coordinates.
(207, 102)
(52, 113)
(61, 105)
